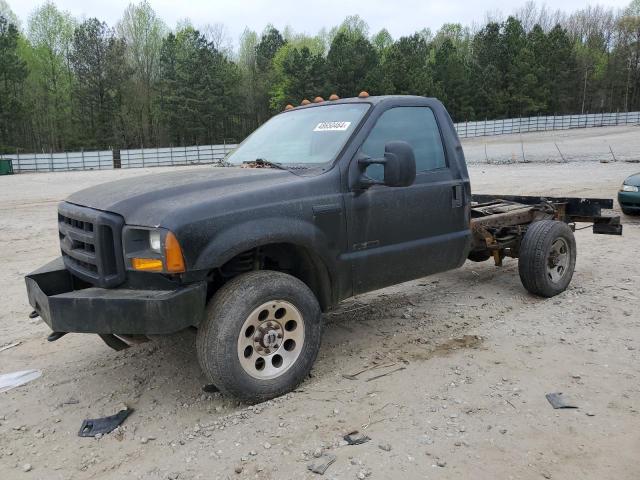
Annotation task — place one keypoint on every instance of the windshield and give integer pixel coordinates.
(302, 138)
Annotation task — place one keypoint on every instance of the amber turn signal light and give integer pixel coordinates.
(147, 264)
(173, 254)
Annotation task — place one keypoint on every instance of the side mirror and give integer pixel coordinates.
(399, 164)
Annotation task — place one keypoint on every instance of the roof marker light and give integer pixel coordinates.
(318, 100)
(305, 102)
(334, 97)
(363, 94)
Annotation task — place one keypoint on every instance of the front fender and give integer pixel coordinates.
(228, 243)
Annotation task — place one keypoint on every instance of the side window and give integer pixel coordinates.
(415, 125)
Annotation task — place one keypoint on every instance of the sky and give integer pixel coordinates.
(399, 17)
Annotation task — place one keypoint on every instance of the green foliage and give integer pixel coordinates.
(352, 63)
(142, 32)
(50, 35)
(13, 71)
(101, 73)
(198, 88)
(300, 74)
(65, 85)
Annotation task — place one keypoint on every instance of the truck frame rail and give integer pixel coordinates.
(499, 222)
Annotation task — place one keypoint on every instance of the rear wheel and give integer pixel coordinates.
(261, 335)
(628, 211)
(547, 258)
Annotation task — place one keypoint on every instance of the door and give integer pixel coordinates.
(402, 233)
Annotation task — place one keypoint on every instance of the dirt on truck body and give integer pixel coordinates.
(352, 195)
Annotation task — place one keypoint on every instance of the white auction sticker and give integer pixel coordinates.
(332, 126)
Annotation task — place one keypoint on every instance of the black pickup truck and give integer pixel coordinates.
(336, 198)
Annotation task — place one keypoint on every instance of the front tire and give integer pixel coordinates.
(261, 335)
(547, 258)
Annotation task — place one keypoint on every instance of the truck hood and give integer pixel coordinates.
(633, 180)
(148, 200)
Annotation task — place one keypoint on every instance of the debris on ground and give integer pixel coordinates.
(356, 438)
(559, 400)
(363, 473)
(210, 388)
(353, 376)
(385, 446)
(11, 345)
(12, 380)
(320, 465)
(101, 426)
(385, 374)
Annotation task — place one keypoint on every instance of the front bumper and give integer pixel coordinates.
(120, 311)
(630, 201)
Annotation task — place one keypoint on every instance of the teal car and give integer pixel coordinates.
(629, 195)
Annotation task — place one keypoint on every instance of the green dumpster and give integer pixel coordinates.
(6, 167)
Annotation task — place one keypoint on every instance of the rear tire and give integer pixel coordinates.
(547, 258)
(261, 335)
(630, 212)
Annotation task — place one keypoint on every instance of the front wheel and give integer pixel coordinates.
(547, 258)
(261, 335)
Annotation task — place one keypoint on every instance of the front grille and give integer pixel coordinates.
(90, 241)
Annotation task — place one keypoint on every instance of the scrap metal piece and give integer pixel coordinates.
(94, 426)
(356, 438)
(559, 400)
(10, 345)
(385, 374)
(321, 464)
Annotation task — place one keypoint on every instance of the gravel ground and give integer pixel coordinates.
(478, 355)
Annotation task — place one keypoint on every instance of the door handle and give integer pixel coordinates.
(456, 200)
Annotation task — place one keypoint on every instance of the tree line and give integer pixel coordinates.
(67, 84)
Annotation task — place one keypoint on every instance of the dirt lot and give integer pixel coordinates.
(478, 355)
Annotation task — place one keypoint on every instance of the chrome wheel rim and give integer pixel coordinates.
(558, 260)
(271, 339)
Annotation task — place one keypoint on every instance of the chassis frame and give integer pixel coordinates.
(499, 222)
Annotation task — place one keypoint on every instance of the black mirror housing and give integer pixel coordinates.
(399, 164)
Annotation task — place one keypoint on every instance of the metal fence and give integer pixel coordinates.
(54, 162)
(544, 123)
(166, 157)
(109, 159)
(204, 154)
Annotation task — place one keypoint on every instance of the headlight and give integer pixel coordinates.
(155, 241)
(628, 188)
(152, 250)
